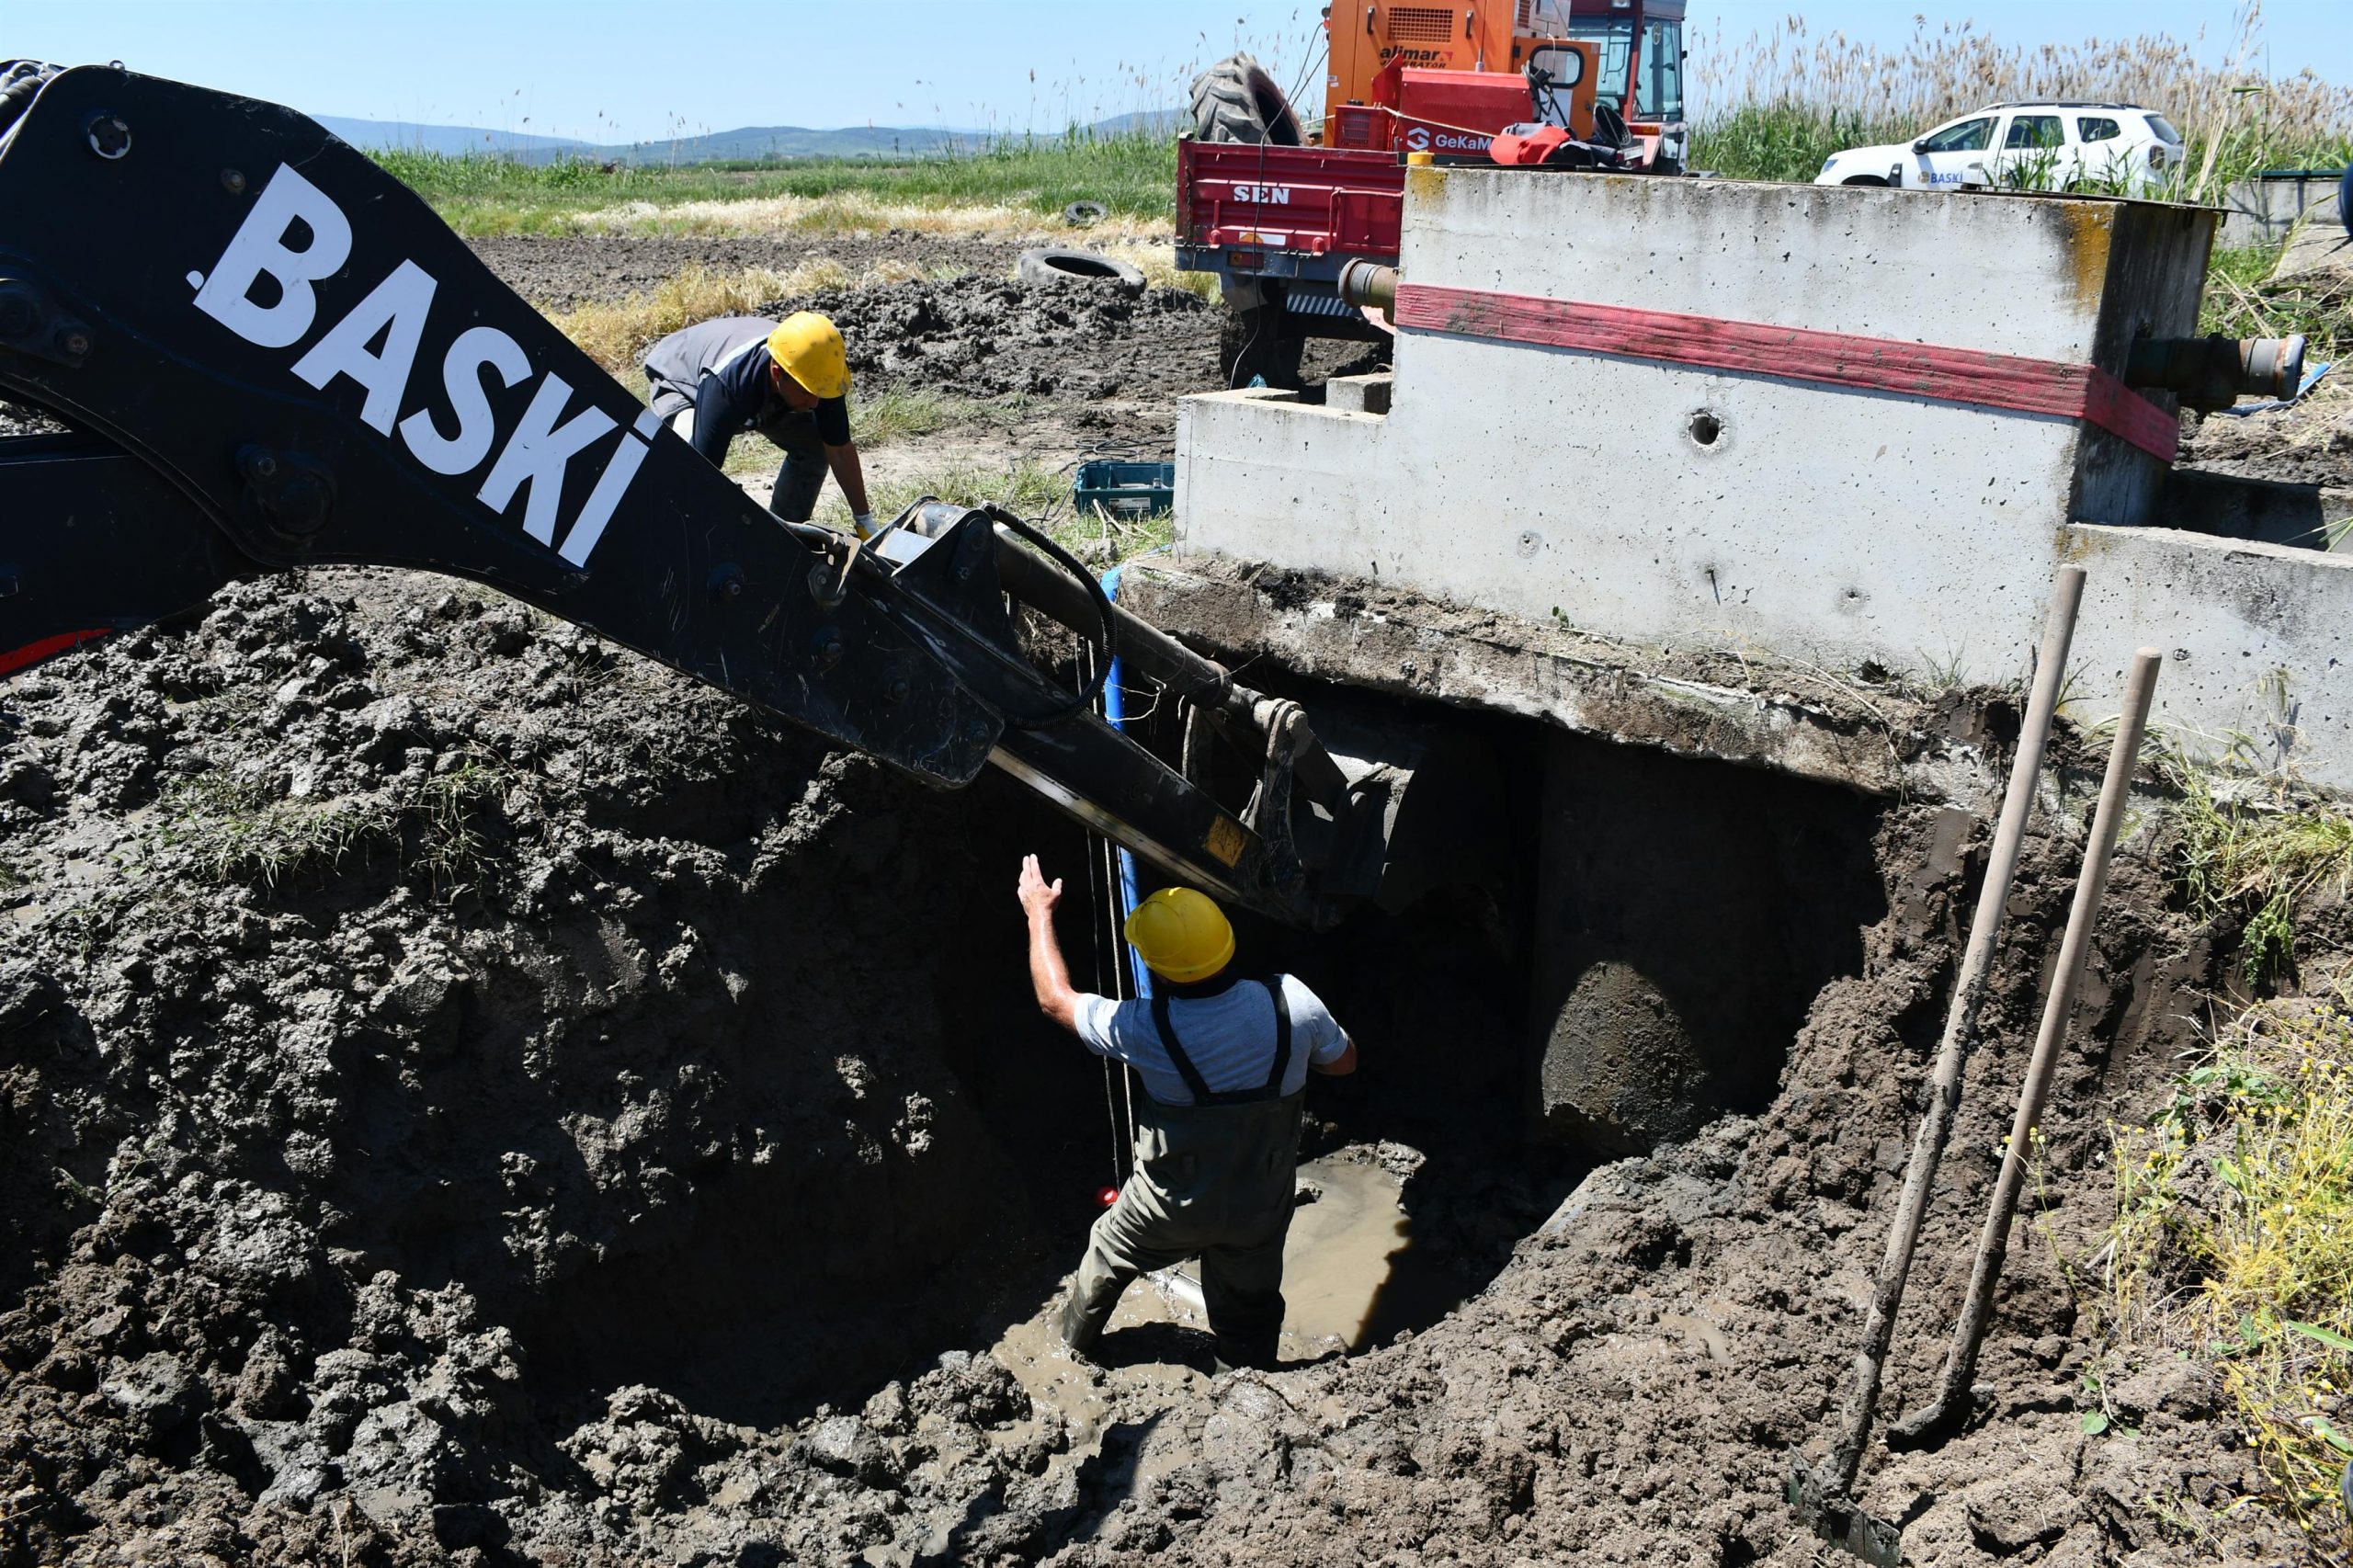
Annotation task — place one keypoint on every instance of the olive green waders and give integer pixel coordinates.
(1214, 1180)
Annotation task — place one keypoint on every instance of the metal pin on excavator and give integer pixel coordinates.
(275, 354)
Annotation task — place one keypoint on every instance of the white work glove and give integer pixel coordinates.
(864, 523)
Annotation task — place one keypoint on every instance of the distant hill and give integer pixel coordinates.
(1152, 121)
(753, 142)
(747, 145)
(379, 135)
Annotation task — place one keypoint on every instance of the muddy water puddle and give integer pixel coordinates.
(1351, 1279)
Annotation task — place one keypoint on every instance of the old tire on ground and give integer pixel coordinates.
(1084, 214)
(1054, 263)
(1235, 100)
(1262, 343)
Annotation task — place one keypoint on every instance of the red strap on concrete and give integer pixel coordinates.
(1796, 353)
(31, 654)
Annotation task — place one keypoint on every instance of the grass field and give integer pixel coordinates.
(1772, 105)
(1032, 179)
(1775, 104)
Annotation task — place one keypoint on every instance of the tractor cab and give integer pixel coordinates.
(1630, 62)
(1641, 42)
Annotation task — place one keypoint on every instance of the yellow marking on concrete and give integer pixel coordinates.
(2089, 233)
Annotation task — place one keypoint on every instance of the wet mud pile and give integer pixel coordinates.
(467, 1095)
(988, 337)
(437, 1054)
(1632, 1388)
(558, 274)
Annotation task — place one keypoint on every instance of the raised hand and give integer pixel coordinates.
(1037, 895)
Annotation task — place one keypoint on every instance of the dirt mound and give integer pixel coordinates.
(560, 273)
(978, 334)
(421, 1027)
(472, 1096)
(988, 337)
(25, 419)
(2311, 443)
(1632, 1390)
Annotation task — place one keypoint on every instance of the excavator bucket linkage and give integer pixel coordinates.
(273, 353)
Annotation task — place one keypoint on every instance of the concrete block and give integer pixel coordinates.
(2258, 641)
(1358, 394)
(2260, 211)
(1693, 510)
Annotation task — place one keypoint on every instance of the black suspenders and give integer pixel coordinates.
(1199, 1086)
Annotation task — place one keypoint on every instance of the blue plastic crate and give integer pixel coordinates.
(1124, 489)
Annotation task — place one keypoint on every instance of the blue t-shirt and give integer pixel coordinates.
(1230, 1038)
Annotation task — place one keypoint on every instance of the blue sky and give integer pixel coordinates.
(644, 70)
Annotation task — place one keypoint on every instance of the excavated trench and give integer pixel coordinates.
(469, 1096)
(613, 1124)
(771, 1290)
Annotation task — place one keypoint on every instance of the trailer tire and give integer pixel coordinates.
(1235, 100)
(1262, 344)
(1055, 264)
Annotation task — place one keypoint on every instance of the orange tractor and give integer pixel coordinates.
(1593, 84)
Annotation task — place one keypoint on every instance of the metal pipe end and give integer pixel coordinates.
(2271, 367)
(1369, 283)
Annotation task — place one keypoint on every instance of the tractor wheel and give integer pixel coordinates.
(1235, 100)
(1260, 344)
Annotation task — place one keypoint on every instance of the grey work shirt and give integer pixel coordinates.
(1230, 1038)
(720, 368)
(675, 365)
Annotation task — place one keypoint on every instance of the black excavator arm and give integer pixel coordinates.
(274, 354)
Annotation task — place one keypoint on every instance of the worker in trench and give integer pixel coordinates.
(1224, 1064)
(788, 380)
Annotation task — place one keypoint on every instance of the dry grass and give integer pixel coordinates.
(1156, 259)
(2256, 856)
(2234, 1245)
(616, 332)
(855, 214)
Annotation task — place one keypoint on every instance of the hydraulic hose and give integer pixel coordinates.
(1080, 701)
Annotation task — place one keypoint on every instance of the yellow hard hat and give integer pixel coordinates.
(1182, 935)
(808, 347)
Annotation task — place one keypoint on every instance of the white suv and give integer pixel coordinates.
(2120, 149)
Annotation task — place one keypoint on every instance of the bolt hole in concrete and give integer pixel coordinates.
(1705, 429)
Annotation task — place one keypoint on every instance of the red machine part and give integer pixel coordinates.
(1314, 200)
(1457, 113)
(1528, 151)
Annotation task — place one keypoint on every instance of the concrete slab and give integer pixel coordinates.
(2320, 252)
(1694, 701)
(1759, 520)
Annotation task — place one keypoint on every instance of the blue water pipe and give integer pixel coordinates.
(1115, 710)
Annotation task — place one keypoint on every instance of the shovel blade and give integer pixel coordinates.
(1843, 1524)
